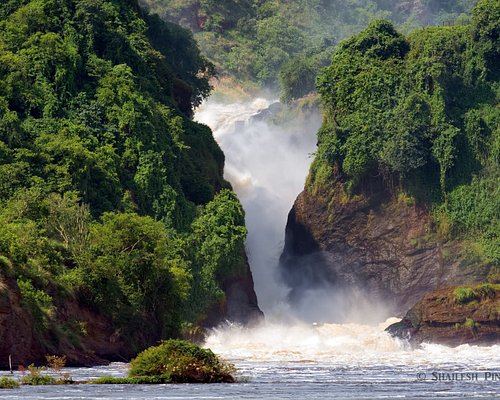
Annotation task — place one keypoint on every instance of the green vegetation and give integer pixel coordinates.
(35, 377)
(420, 113)
(111, 197)
(8, 383)
(465, 295)
(285, 43)
(181, 362)
(471, 324)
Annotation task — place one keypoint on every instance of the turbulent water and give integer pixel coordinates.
(302, 361)
(284, 357)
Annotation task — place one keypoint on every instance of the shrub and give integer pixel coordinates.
(181, 362)
(470, 323)
(8, 383)
(35, 377)
(465, 295)
(36, 380)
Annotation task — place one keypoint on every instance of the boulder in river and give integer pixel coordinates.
(453, 316)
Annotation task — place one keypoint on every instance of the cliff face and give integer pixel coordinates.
(95, 341)
(400, 139)
(241, 301)
(15, 328)
(453, 316)
(21, 339)
(240, 304)
(373, 242)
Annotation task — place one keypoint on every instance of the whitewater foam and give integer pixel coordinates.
(267, 165)
(340, 344)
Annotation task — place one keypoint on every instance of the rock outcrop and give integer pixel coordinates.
(379, 243)
(453, 316)
(241, 301)
(240, 304)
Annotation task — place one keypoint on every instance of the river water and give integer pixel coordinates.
(302, 361)
(285, 357)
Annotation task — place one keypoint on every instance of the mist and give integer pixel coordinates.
(267, 165)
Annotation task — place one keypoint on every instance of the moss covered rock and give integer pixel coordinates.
(454, 316)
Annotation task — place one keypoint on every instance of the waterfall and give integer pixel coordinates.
(267, 165)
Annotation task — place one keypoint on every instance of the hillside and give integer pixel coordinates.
(284, 44)
(117, 228)
(403, 194)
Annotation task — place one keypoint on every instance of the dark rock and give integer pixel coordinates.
(267, 113)
(240, 303)
(371, 241)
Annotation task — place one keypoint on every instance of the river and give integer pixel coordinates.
(285, 357)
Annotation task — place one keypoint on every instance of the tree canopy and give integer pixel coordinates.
(109, 193)
(420, 111)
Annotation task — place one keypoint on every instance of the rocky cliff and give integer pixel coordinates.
(453, 316)
(380, 243)
(402, 196)
(89, 338)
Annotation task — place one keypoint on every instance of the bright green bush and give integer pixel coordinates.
(181, 362)
(8, 383)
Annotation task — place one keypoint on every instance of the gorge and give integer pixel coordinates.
(364, 196)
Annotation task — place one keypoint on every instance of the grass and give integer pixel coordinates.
(138, 380)
(465, 295)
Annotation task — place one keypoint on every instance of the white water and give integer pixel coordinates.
(267, 166)
(342, 345)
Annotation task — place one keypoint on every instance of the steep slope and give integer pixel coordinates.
(117, 228)
(403, 194)
(266, 42)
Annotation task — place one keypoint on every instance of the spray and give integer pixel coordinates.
(267, 165)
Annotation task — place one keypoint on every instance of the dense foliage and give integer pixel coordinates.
(179, 361)
(255, 40)
(110, 196)
(421, 114)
